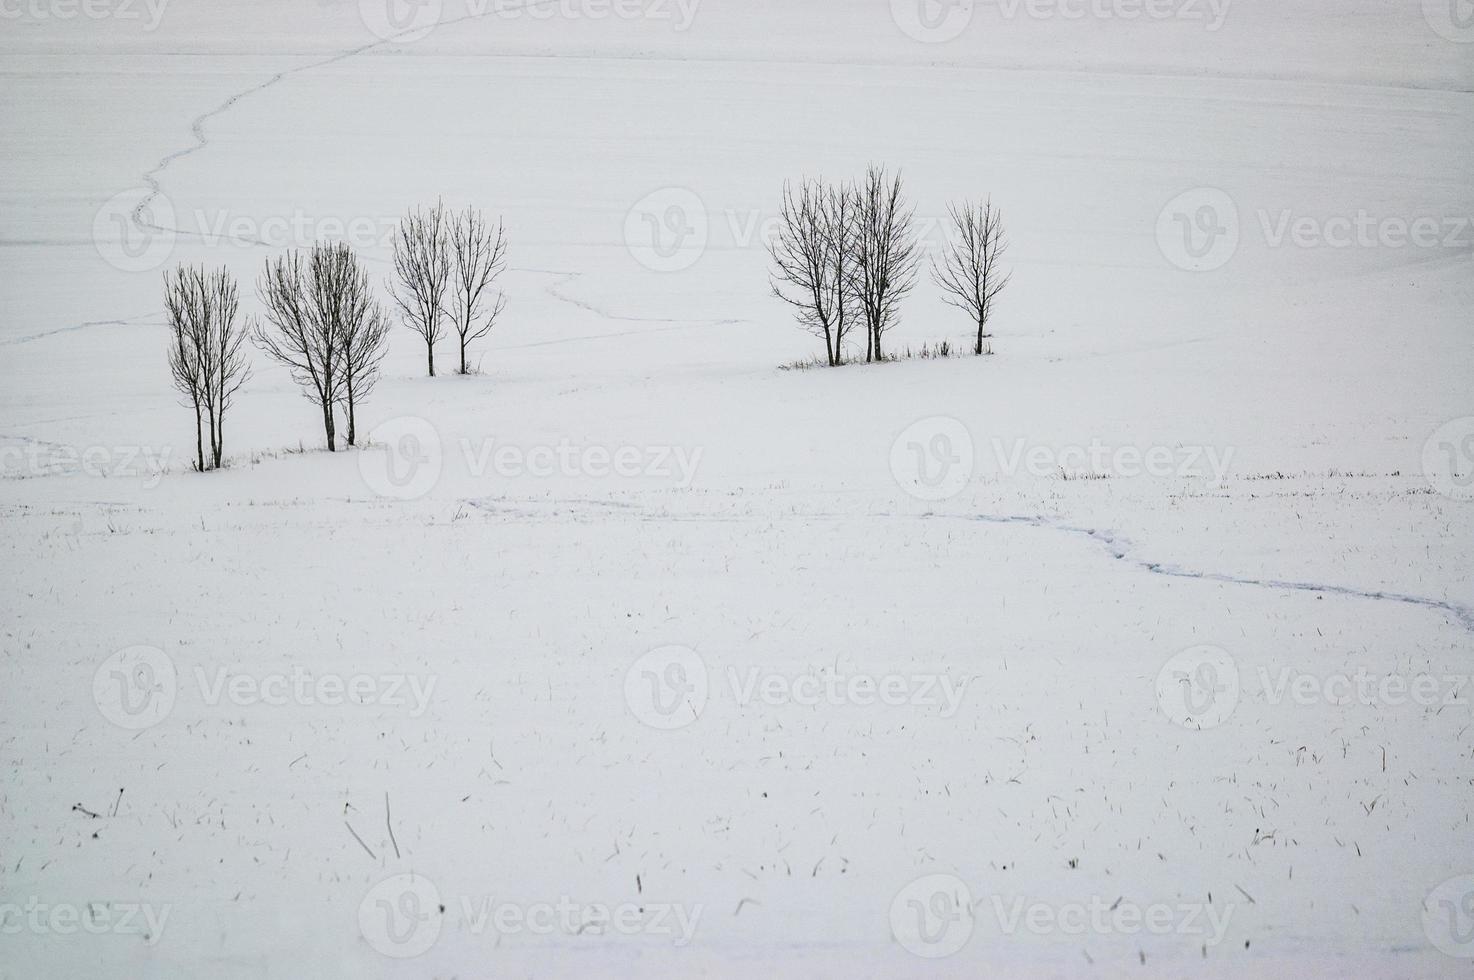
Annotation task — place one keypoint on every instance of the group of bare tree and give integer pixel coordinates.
(846, 255)
(445, 266)
(323, 323)
(206, 351)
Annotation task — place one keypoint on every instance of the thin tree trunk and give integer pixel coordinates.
(352, 425)
(327, 425)
(199, 444)
(430, 352)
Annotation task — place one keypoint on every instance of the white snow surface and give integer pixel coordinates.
(1317, 374)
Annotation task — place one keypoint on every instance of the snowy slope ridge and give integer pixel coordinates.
(1142, 647)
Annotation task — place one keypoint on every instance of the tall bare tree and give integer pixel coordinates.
(968, 271)
(301, 335)
(186, 362)
(480, 253)
(886, 254)
(343, 298)
(206, 351)
(811, 253)
(422, 263)
(326, 327)
(841, 204)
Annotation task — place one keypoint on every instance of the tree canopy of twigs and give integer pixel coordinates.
(968, 270)
(479, 251)
(422, 267)
(207, 361)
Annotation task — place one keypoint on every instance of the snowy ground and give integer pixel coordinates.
(812, 673)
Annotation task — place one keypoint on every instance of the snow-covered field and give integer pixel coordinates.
(635, 655)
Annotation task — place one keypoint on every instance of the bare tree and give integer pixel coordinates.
(422, 264)
(886, 254)
(363, 350)
(302, 336)
(207, 350)
(840, 207)
(186, 363)
(480, 253)
(811, 253)
(326, 327)
(968, 272)
(343, 297)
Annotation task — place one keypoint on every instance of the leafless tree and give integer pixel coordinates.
(206, 351)
(326, 327)
(186, 364)
(343, 298)
(968, 271)
(480, 253)
(301, 335)
(422, 264)
(886, 254)
(811, 254)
